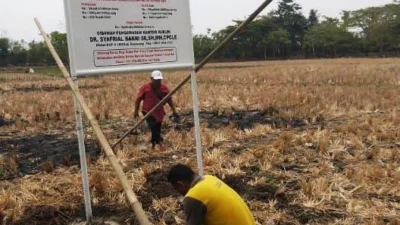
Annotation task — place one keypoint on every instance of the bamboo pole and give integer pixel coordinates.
(133, 201)
(198, 67)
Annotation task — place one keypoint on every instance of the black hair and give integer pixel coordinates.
(180, 173)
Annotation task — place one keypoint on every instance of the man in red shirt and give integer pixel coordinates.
(151, 94)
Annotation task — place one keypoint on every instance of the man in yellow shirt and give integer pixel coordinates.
(208, 200)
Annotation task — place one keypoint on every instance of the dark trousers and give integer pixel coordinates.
(155, 128)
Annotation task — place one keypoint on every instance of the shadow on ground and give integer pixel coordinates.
(43, 152)
(243, 119)
(47, 88)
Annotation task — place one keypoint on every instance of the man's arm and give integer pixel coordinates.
(137, 106)
(165, 91)
(140, 97)
(172, 105)
(195, 211)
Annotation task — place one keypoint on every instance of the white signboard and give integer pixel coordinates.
(106, 36)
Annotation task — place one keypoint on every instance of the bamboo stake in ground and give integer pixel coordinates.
(198, 67)
(134, 203)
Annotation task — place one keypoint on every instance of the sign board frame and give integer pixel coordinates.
(78, 70)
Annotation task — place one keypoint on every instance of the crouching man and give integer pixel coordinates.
(208, 200)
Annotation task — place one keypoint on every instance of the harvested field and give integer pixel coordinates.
(304, 142)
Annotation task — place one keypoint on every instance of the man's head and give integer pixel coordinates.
(156, 78)
(181, 178)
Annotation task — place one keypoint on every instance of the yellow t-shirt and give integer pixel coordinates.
(211, 202)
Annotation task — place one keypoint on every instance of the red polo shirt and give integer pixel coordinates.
(151, 99)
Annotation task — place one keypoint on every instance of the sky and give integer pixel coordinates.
(16, 17)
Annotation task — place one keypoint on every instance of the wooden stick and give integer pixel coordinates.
(134, 203)
(198, 67)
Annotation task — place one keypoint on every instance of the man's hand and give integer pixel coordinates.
(136, 115)
(175, 117)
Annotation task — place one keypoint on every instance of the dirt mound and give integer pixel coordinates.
(156, 187)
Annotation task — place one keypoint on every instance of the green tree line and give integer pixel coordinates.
(21, 53)
(287, 33)
(282, 33)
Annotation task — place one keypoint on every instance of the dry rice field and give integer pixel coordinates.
(304, 142)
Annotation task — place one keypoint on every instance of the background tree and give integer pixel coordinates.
(18, 54)
(376, 25)
(38, 54)
(279, 41)
(202, 45)
(313, 18)
(329, 39)
(4, 51)
(289, 17)
(59, 40)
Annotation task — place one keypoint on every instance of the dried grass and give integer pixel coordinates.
(8, 166)
(341, 167)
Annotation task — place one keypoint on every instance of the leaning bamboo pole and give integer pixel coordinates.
(198, 67)
(133, 201)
